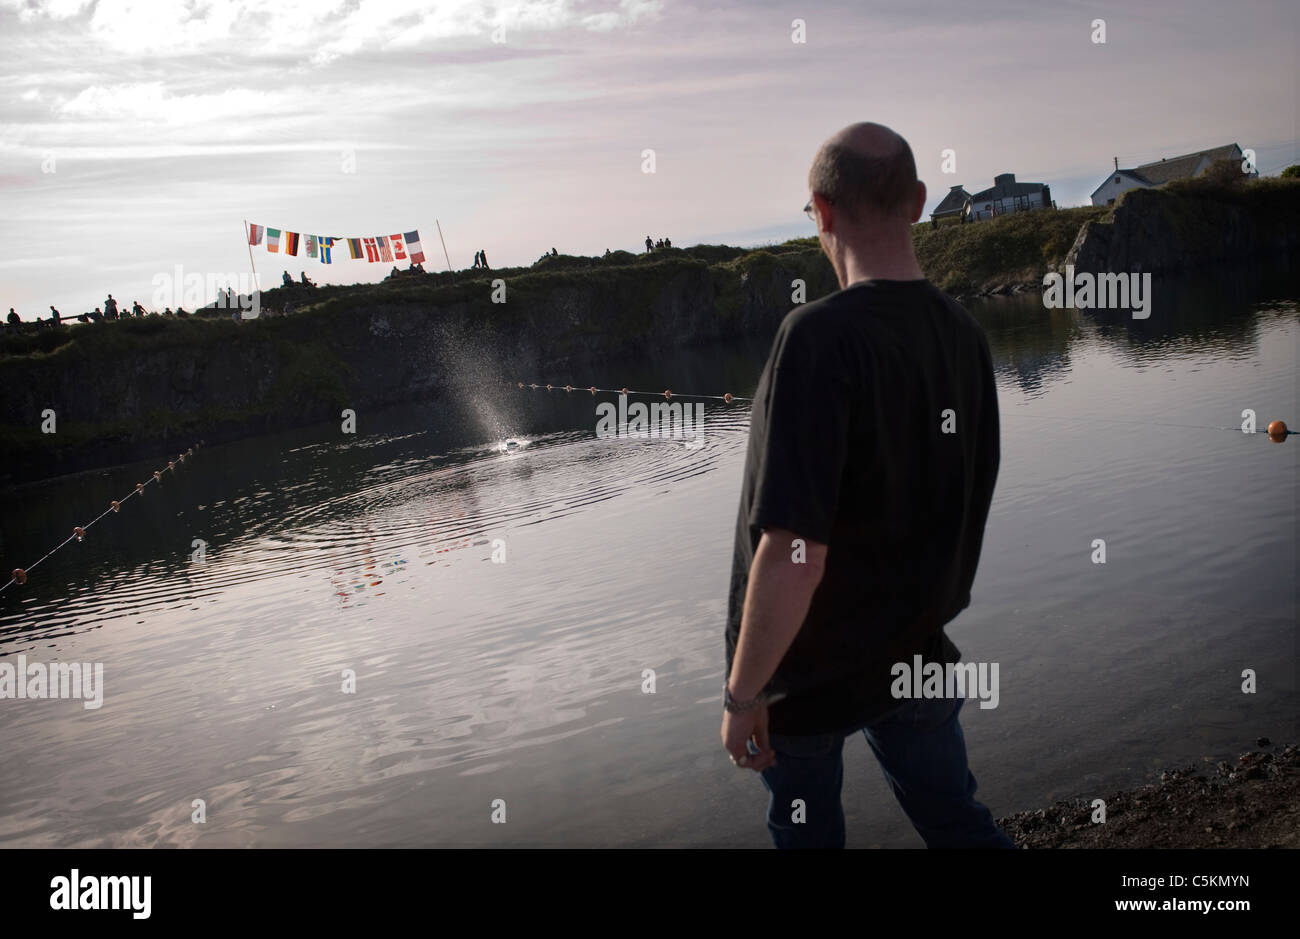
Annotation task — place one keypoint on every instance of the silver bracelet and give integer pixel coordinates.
(733, 706)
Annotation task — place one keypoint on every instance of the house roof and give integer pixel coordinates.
(1005, 190)
(952, 202)
(1132, 174)
(1159, 172)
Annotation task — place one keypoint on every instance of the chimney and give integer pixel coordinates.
(1004, 179)
(1116, 159)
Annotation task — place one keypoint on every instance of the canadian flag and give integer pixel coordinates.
(398, 253)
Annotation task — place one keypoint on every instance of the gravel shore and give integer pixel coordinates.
(1253, 802)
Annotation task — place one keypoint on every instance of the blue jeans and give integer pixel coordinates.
(922, 751)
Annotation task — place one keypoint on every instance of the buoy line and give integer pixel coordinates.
(19, 575)
(667, 393)
(1277, 431)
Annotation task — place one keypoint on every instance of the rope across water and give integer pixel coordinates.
(19, 575)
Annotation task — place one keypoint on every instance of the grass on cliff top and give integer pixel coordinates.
(1009, 249)
(628, 273)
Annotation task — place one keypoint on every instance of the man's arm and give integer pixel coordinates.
(776, 601)
(777, 598)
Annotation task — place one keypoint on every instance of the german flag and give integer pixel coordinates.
(291, 242)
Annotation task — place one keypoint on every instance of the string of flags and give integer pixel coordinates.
(19, 575)
(383, 249)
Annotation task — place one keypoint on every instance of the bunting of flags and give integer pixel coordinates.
(379, 249)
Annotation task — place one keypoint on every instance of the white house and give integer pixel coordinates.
(1159, 172)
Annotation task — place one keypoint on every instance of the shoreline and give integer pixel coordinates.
(1251, 802)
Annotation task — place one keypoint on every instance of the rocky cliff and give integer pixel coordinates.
(1191, 226)
(140, 388)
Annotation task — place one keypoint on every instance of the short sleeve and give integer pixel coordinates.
(806, 415)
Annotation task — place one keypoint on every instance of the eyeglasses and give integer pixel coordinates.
(808, 209)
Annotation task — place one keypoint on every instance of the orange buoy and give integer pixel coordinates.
(171, 465)
(80, 533)
(117, 506)
(157, 475)
(521, 384)
(534, 386)
(139, 487)
(668, 393)
(548, 387)
(727, 397)
(1277, 431)
(624, 391)
(20, 575)
(592, 389)
(568, 387)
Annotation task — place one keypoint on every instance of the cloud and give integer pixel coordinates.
(150, 102)
(29, 10)
(319, 31)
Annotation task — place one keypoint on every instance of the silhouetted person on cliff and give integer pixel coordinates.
(307, 282)
(14, 319)
(649, 245)
(136, 308)
(55, 317)
(110, 308)
(96, 316)
(483, 257)
(287, 279)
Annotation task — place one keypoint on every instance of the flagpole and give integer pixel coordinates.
(444, 244)
(249, 242)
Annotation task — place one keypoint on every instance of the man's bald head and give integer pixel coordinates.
(866, 169)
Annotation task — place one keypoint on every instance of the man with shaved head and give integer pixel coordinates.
(873, 453)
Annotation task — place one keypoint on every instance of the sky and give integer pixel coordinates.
(136, 137)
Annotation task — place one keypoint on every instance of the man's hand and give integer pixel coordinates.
(739, 729)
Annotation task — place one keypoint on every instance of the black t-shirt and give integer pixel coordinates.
(847, 446)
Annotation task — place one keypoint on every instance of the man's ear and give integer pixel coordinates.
(919, 206)
(823, 210)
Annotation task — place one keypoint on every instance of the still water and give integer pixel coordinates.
(523, 681)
